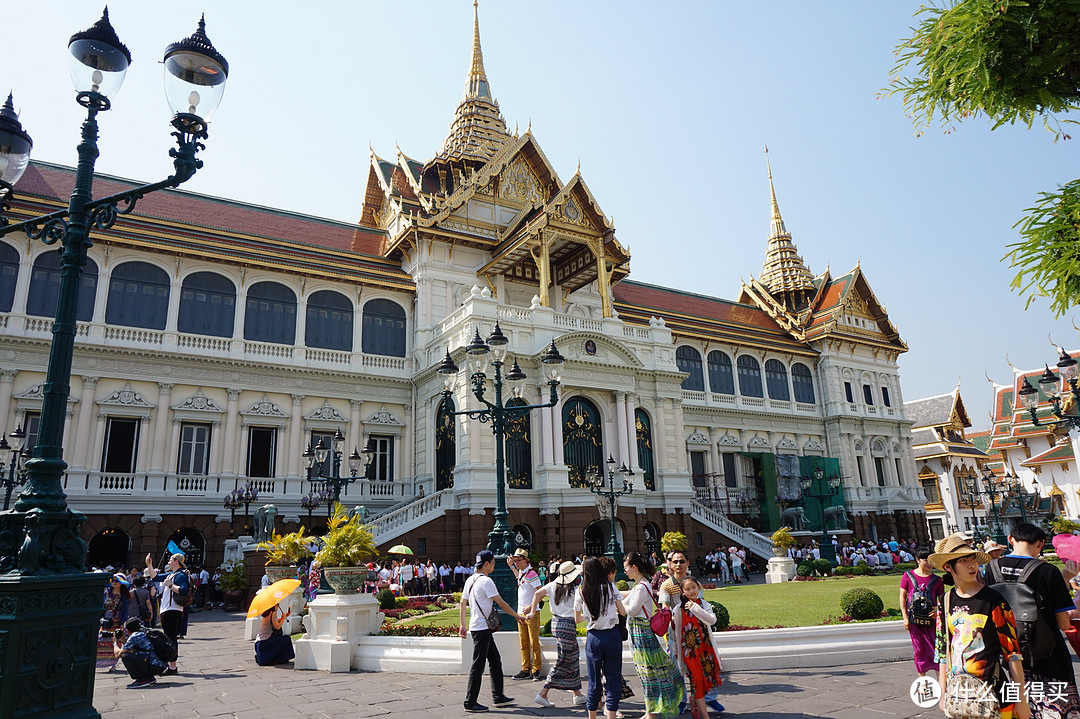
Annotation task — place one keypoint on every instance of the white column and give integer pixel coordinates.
(99, 442)
(232, 417)
(356, 428)
(140, 457)
(7, 388)
(680, 434)
(661, 460)
(22, 282)
(620, 428)
(714, 458)
(161, 426)
(407, 468)
(86, 414)
(556, 433)
(294, 444)
(546, 439)
(631, 431)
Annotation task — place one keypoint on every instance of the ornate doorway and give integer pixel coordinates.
(582, 439)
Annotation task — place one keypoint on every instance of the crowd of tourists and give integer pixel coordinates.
(990, 629)
(665, 602)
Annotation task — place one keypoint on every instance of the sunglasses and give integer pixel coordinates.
(677, 561)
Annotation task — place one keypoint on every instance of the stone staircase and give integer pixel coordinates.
(759, 544)
(391, 525)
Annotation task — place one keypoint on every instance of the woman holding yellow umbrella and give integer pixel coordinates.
(272, 646)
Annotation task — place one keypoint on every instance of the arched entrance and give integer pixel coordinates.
(523, 536)
(582, 439)
(445, 444)
(191, 544)
(108, 548)
(597, 535)
(651, 539)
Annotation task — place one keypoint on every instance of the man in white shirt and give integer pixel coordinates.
(459, 577)
(529, 632)
(406, 574)
(478, 594)
(421, 578)
(204, 586)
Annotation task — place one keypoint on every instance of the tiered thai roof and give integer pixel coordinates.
(938, 427)
(784, 273)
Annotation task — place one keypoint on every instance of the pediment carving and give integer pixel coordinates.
(383, 416)
(199, 402)
(264, 408)
(697, 438)
(326, 413)
(125, 397)
(729, 440)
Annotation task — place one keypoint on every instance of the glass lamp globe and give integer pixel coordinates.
(15, 145)
(195, 74)
(98, 60)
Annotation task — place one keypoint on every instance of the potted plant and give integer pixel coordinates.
(672, 541)
(233, 584)
(284, 552)
(782, 541)
(347, 544)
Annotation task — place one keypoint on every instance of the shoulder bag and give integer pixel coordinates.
(966, 696)
(661, 619)
(492, 619)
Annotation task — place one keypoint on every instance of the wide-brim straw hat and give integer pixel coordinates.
(568, 572)
(992, 546)
(953, 547)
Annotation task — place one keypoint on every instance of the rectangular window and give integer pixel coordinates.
(879, 469)
(868, 394)
(849, 393)
(699, 539)
(382, 464)
(194, 449)
(862, 469)
(262, 448)
(421, 546)
(899, 474)
(885, 397)
(31, 425)
(731, 479)
(121, 445)
(937, 531)
(930, 488)
(697, 469)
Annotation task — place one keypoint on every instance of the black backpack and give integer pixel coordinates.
(922, 612)
(182, 599)
(163, 646)
(1037, 641)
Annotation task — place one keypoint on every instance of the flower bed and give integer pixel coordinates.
(392, 629)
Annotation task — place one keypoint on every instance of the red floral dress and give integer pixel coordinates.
(702, 665)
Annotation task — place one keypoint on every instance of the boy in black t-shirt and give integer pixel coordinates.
(1027, 542)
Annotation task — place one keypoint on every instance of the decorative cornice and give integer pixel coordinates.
(126, 397)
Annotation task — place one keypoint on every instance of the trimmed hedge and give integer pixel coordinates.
(386, 598)
(861, 603)
(723, 618)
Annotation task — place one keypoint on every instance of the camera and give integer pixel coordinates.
(118, 635)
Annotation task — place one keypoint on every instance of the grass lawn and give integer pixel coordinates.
(792, 604)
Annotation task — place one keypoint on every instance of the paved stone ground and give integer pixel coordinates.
(219, 678)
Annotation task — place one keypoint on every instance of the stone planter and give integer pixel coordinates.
(345, 580)
(233, 599)
(276, 573)
(779, 552)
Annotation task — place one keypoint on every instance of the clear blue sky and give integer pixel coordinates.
(667, 106)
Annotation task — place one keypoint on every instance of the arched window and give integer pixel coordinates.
(329, 321)
(384, 329)
(445, 444)
(582, 439)
(689, 360)
(45, 288)
(271, 314)
(803, 382)
(643, 429)
(518, 449)
(207, 305)
(721, 377)
(138, 296)
(749, 376)
(9, 275)
(776, 379)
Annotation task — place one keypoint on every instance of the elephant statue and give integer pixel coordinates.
(265, 522)
(794, 517)
(359, 511)
(836, 517)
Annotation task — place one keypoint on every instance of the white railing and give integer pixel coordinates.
(447, 324)
(775, 404)
(117, 483)
(411, 515)
(693, 395)
(728, 399)
(636, 333)
(800, 407)
(191, 484)
(202, 343)
(381, 362)
(264, 349)
(129, 335)
(328, 356)
(871, 409)
(752, 402)
(578, 323)
(754, 542)
(514, 313)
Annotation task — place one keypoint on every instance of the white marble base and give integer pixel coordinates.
(334, 625)
(781, 569)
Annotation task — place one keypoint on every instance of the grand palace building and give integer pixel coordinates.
(218, 340)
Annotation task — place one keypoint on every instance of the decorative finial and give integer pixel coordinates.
(477, 86)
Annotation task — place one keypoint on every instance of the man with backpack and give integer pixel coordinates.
(145, 654)
(1038, 595)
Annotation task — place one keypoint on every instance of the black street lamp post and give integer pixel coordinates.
(43, 554)
(232, 504)
(501, 537)
(604, 487)
(992, 492)
(1052, 386)
(246, 495)
(16, 474)
(309, 503)
(316, 465)
(822, 489)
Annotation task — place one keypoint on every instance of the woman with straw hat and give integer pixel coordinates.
(976, 631)
(566, 672)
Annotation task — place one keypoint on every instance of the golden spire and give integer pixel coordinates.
(477, 84)
(784, 272)
(478, 131)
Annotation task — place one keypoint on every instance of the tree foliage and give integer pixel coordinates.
(1012, 61)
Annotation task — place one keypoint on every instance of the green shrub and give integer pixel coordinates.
(861, 603)
(386, 598)
(822, 566)
(804, 569)
(545, 631)
(723, 619)
(842, 571)
(622, 585)
(861, 569)
(457, 597)
(905, 566)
